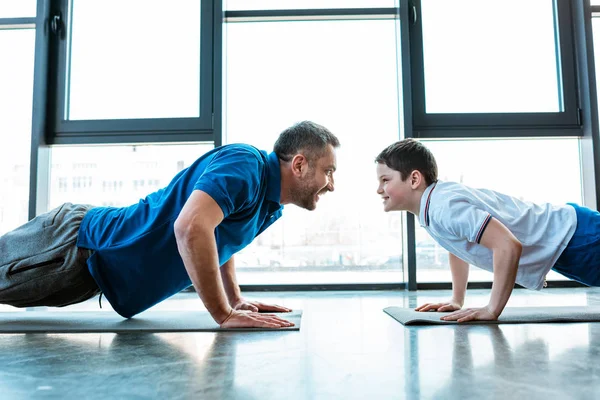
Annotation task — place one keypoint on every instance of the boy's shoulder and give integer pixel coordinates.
(447, 200)
(445, 193)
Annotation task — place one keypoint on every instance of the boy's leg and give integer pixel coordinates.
(580, 261)
(40, 264)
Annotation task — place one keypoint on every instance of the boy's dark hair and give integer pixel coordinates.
(307, 138)
(408, 155)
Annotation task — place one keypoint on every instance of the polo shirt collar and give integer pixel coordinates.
(425, 200)
(274, 179)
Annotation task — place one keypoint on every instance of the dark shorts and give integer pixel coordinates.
(40, 264)
(580, 261)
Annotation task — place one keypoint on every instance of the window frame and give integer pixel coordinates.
(140, 130)
(473, 125)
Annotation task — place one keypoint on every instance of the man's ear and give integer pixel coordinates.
(415, 179)
(299, 164)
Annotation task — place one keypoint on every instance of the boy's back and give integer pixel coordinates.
(456, 216)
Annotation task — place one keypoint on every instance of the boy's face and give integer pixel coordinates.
(397, 194)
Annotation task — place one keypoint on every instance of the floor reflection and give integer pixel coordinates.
(347, 348)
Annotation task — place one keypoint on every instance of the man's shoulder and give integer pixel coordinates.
(242, 149)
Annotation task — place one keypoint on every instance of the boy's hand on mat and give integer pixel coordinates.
(440, 307)
(257, 306)
(248, 319)
(471, 314)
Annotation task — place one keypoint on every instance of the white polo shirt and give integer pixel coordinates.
(456, 217)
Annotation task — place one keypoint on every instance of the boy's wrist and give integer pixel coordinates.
(460, 302)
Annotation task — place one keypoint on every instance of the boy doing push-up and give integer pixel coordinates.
(516, 240)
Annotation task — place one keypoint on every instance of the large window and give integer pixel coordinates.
(17, 47)
(132, 71)
(493, 68)
(479, 66)
(537, 170)
(330, 72)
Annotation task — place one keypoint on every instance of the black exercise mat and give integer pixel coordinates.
(510, 315)
(108, 321)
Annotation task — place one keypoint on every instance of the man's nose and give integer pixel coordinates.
(330, 185)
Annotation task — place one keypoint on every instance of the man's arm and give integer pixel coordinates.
(234, 295)
(506, 250)
(194, 232)
(232, 289)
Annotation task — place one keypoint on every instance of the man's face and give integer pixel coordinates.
(316, 181)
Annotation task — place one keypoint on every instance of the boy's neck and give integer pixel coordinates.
(415, 206)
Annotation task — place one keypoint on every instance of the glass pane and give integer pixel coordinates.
(278, 73)
(116, 175)
(16, 100)
(476, 61)
(18, 8)
(526, 169)
(304, 4)
(142, 61)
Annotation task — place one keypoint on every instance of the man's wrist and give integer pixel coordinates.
(235, 301)
(223, 317)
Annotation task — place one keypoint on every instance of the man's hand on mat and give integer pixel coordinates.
(248, 319)
(257, 306)
(440, 307)
(471, 314)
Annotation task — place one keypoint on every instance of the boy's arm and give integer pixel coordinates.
(460, 277)
(507, 253)
(506, 250)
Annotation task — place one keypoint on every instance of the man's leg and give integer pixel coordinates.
(40, 264)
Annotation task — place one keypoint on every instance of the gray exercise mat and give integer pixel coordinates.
(510, 315)
(108, 321)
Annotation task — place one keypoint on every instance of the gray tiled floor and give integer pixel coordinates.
(347, 349)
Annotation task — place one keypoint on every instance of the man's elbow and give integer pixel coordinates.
(184, 230)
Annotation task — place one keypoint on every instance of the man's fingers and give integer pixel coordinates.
(272, 307)
(426, 307)
(276, 308)
(273, 320)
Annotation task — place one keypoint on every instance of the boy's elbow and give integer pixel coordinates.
(516, 247)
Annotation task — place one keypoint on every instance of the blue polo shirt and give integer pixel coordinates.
(135, 260)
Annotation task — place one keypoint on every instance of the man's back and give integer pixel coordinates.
(136, 262)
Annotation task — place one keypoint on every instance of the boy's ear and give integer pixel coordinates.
(415, 179)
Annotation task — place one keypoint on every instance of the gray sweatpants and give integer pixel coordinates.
(40, 264)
